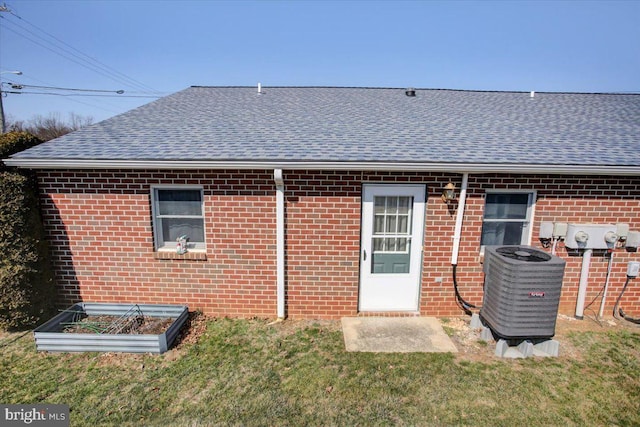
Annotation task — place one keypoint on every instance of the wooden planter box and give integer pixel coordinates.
(49, 336)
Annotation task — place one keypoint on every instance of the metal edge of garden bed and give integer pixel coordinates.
(49, 338)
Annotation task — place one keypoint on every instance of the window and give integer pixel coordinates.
(507, 217)
(391, 234)
(178, 211)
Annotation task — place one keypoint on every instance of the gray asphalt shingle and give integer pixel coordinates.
(363, 125)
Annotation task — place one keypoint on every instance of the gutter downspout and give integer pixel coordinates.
(277, 177)
(460, 214)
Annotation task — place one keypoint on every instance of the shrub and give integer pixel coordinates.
(13, 142)
(26, 281)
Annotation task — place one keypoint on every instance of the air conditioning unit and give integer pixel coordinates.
(521, 292)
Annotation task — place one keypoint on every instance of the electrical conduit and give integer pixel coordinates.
(606, 286)
(456, 244)
(460, 214)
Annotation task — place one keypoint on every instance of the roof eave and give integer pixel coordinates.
(50, 164)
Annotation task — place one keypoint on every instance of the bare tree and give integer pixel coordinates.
(52, 126)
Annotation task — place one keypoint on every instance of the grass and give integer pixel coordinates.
(245, 372)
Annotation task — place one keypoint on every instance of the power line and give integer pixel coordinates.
(88, 66)
(80, 94)
(20, 86)
(100, 106)
(96, 61)
(90, 63)
(30, 77)
(113, 70)
(58, 53)
(70, 53)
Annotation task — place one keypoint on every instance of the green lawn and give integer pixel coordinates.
(246, 372)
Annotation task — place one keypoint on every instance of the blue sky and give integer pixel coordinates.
(167, 46)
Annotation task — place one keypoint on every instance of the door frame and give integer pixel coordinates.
(419, 193)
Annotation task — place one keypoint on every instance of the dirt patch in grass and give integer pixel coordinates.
(192, 329)
(191, 332)
(136, 325)
(472, 348)
(289, 327)
(130, 361)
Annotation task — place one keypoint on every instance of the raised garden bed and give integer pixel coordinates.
(125, 328)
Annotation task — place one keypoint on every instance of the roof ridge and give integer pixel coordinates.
(410, 87)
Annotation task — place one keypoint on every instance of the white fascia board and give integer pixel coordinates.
(474, 168)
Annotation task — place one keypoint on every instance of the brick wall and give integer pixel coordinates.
(101, 233)
(577, 199)
(102, 244)
(323, 239)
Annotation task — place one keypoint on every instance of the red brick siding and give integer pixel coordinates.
(577, 199)
(101, 233)
(102, 243)
(323, 239)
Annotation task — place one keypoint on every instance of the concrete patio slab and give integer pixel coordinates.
(396, 335)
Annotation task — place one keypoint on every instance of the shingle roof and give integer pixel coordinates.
(325, 124)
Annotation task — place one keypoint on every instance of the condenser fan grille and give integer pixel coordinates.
(523, 254)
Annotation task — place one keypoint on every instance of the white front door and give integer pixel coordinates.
(391, 247)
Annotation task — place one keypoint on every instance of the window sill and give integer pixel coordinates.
(192, 255)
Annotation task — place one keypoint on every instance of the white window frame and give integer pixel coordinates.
(528, 233)
(158, 238)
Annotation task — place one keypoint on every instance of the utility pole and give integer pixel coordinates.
(3, 127)
(3, 123)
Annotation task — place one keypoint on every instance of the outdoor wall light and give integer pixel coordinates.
(449, 193)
